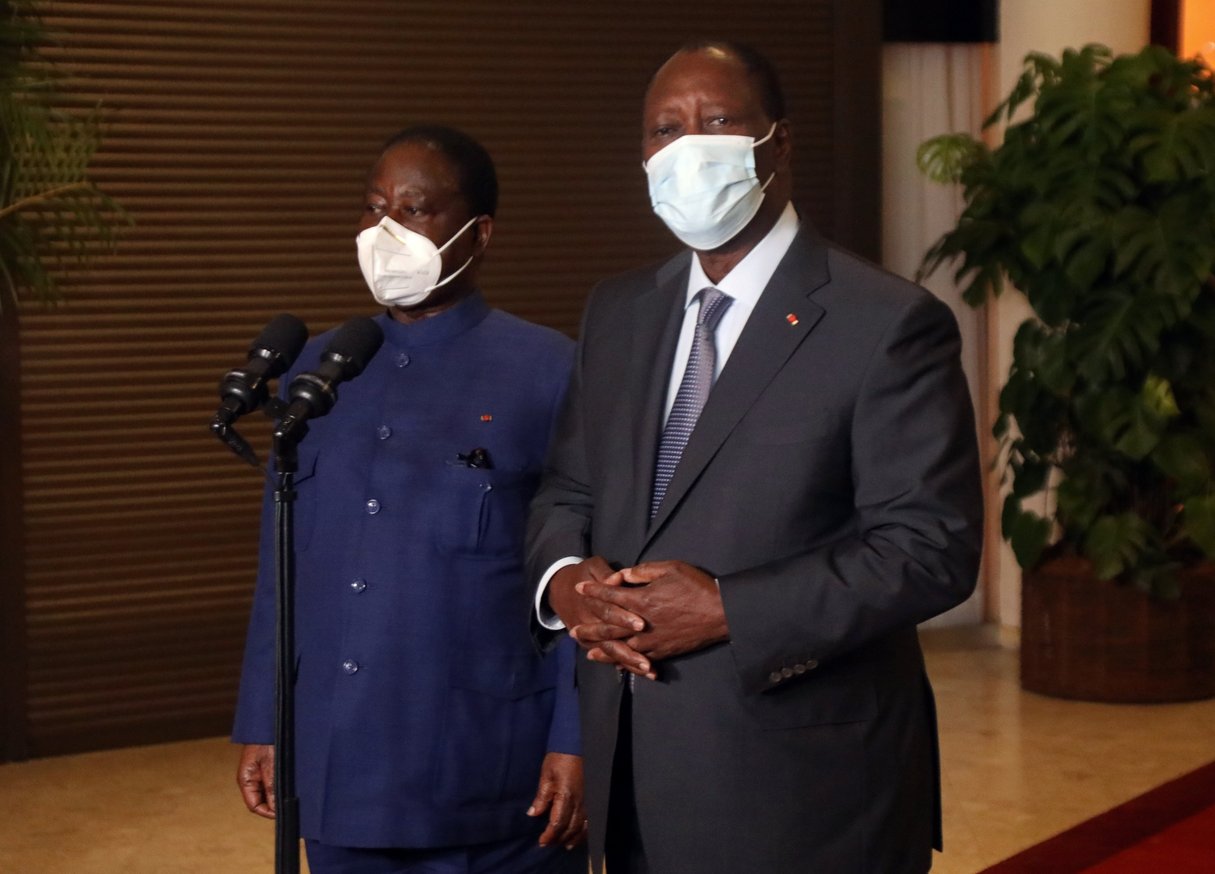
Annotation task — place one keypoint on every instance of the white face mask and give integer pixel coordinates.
(704, 186)
(401, 266)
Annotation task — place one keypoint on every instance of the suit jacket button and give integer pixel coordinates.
(811, 664)
(775, 677)
(799, 668)
(786, 672)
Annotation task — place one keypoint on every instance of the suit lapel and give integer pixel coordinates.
(656, 317)
(766, 343)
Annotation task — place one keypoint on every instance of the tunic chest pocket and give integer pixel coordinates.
(305, 509)
(481, 512)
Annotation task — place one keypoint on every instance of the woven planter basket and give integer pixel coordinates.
(1099, 641)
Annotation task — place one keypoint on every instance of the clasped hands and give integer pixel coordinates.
(639, 615)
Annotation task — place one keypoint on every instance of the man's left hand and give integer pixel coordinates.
(560, 793)
(680, 603)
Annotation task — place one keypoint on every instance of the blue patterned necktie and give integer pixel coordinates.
(693, 391)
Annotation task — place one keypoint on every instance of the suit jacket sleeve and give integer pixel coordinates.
(255, 707)
(914, 549)
(564, 734)
(559, 519)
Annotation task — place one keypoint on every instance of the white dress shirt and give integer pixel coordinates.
(744, 284)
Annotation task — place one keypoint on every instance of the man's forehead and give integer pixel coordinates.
(419, 161)
(706, 68)
(711, 59)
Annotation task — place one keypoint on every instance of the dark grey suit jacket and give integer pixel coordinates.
(832, 485)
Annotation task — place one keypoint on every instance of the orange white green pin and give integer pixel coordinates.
(791, 318)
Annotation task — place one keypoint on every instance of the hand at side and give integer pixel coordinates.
(255, 777)
(560, 793)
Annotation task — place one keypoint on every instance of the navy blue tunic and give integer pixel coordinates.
(423, 711)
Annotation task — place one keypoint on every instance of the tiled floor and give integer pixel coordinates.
(1018, 768)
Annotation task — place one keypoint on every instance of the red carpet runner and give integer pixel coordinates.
(1169, 830)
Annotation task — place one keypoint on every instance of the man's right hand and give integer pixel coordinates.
(593, 621)
(575, 609)
(255, 777)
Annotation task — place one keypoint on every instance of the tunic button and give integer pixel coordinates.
(402, 360)
(383, 432)
(358, 585)
(373, 507)
(774, 677)
(350, 666)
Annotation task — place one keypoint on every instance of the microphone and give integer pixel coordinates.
(275, 349)
(312, 394)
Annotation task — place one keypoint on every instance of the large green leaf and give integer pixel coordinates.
(1183, 458)
(1029, 476)
(1131, 423)
(1170, 248)
(1202, 406)
(1037, 242)
(1035, 410)
(944, 158)
(1081, 496)
(1174, 146)
(1119, 334)
(1051, 294)
(1027, 533)
(1114, 544)
(1040, 69)
(1148, 416)
(1198, 519)
(1042, 354)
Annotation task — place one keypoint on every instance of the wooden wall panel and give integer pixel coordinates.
(237, 136)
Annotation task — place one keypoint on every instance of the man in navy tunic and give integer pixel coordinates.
(430, 734)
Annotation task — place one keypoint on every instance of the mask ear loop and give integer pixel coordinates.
(441, 249)
(772, 175)
(767, 136)
(457, 234)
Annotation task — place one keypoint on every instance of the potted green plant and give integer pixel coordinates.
(52, 216)
(1099, 207)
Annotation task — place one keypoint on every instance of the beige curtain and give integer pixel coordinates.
(929, 89)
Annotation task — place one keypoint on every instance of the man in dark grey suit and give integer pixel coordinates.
(746, 567)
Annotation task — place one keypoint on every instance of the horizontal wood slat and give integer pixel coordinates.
(237, 136)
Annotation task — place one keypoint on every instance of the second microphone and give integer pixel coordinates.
(313, 393)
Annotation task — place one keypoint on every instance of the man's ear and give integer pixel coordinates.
(782, 140)
(484, 229)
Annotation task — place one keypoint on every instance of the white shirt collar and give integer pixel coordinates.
(750, 276)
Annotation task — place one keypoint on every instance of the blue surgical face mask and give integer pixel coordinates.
(704, 186)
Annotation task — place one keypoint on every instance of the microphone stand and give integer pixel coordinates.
(354, 344)
(286, 464)
(286, 802)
